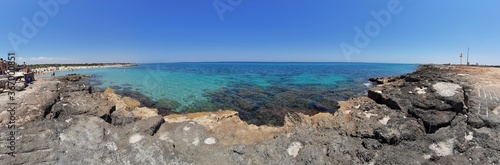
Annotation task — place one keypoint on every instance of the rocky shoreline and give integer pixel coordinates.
(436, 115)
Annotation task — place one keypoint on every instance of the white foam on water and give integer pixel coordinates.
(368, 84)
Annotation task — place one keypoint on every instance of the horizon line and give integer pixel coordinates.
(222, 62)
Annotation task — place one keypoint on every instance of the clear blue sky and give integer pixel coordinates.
(423, 31)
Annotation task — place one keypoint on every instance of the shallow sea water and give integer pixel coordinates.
(252, 89)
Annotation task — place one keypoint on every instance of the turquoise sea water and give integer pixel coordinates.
(251, 88)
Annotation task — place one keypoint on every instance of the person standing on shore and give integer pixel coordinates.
(53, 73)
(3, 66)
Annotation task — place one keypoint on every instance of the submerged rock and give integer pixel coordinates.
(168, 104)
(144, 100)
(269, 106)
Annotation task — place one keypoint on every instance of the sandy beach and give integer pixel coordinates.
(62, 67)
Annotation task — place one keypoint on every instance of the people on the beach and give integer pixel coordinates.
(3, 66)
(54, 73)
(26, 68)
(28, 78)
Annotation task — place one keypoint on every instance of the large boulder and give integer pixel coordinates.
(20, 86)
(149, 126)
(3, 83)
(127, 104)
(123, 117)
(145, 112)
(131, 103)
(111, 95)
(424, 95)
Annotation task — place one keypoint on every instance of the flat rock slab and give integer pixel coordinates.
(446, 89)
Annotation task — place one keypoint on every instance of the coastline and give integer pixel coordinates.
(436, 115)
(42, 69)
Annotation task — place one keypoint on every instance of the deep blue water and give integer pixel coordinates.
(251, 88)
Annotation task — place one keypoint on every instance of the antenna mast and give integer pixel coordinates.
(468, 56)
(461, 58)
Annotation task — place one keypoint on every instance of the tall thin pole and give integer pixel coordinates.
(468, 56)
(461, 58)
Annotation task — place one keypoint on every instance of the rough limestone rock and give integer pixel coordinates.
(123, 117)
(149, 126)
(227, 127)
(74, 77)
(111, 95)
(447, 89)
(34, 104)
(20, 86)
(3, 83)
(126, 109)
(130, 103)
(145, 113)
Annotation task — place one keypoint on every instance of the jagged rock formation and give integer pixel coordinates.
(437, 115)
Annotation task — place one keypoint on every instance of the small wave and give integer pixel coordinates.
(368, 84)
